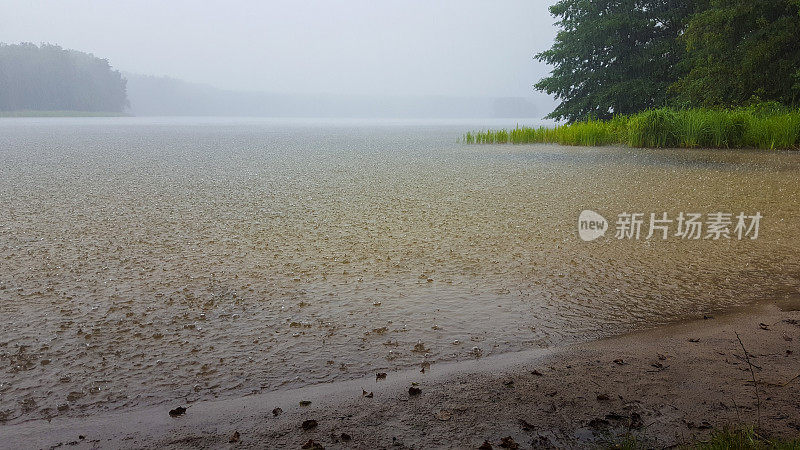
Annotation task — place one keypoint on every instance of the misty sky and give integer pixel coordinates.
(402, 47)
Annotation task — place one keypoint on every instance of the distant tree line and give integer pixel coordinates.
(615, 57)
(49, 78)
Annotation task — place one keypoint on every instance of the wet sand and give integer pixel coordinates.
(667, 386)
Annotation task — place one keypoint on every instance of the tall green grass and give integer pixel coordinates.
(591, 133)
(754, 127)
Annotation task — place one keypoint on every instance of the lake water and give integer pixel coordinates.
(152, 260)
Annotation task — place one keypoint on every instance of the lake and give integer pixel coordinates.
(146, 260)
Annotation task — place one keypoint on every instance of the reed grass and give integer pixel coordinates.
(753, 127)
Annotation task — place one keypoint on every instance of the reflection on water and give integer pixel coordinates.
(144, 262)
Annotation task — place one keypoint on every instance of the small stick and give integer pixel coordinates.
(755, 382)
(754, 365)
(792, 379)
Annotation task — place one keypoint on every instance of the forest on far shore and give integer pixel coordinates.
(49, 78)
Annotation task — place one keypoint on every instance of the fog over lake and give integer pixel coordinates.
(317, 58)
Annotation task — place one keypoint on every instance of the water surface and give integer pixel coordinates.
(150, 260)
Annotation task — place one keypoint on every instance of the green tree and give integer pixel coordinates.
(740, 49)
(614, 56)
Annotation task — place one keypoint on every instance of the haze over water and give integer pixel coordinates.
(149, 260)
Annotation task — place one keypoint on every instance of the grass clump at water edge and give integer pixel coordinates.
(589, 133)
(760, 126)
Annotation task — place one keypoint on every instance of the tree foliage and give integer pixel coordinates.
(50, 78)
(740, 49)
(624, 56)
(614, 56)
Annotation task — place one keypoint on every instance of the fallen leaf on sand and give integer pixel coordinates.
(598, 423)
(309, 424)
(636, 420)
(311, 445)
(277, 412)
(509, 443)
(179, 411)
(380, 376)
(419, 347)
(412, 391)
(443, 415)
(304, 403)
(234, 437)
(366, 394)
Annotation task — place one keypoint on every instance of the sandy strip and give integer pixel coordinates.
(666, 386)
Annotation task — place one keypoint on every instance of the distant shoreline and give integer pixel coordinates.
(12, 114)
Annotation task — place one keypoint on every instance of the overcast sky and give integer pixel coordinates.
(397, 47)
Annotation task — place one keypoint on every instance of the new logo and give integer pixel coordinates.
(591, 225)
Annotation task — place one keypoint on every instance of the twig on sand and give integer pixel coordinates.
(790, 380)
(755, 382)
(743, 359)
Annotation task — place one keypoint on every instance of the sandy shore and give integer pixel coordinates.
(666, 387)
